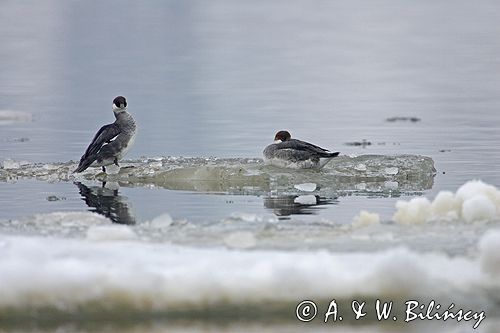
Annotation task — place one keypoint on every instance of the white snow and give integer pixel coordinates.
(415, 211)
(246, 217)
(306, 199)
(9, 164)
(489, 248)
(474, 201)
(306, 187)
(478, 208)
(162, 221)
(240, 240)
(391, 171)
(70, 219)
(445, 205)
(391, 185)
(37, 272)
(111, 232)
(365, 218)
(360, 167)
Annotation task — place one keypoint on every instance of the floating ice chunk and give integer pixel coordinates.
(50, 167)
(9, 117)
(489, 249)
(360, 186)
(240, 240)
(110, 233)
(246, 217)
(360, 167)
(162, 221)
(365, 218)
(478, 208)
(69, 219)
(391, 185)
(474, 201)
(10, 164)
(229, 175)
(391, 171)
(252, 172)
(156, 164)
(306, 199)
(306, 187)
(114, 186)
(112, 169)
(415, 211)
(476, 187)
(445, 205)
(479, 201)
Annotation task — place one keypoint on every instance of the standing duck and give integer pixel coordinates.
(112, 141)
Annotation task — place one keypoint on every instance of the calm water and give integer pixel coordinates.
(219, 78)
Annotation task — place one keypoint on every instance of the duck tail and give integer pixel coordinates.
(324, 160)
(328, 154)
(85, 162)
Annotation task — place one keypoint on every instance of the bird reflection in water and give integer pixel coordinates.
(287, 205)
(107, 201)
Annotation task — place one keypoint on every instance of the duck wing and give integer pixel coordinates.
(105, 135)
(306, 148)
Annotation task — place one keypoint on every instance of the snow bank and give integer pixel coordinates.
(67, 274)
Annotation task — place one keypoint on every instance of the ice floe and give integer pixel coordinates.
(306, 187)
(404, 173)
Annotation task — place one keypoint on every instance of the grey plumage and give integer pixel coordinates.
(111, 142)
(288, 152)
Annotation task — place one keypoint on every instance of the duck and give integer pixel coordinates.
(112, 142)
(292, 153)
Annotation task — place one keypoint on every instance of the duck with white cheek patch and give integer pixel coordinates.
(111, 142)
(292, 153)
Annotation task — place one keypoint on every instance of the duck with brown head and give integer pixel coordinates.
(292, 153)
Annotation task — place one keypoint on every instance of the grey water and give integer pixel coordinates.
(219, 78)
